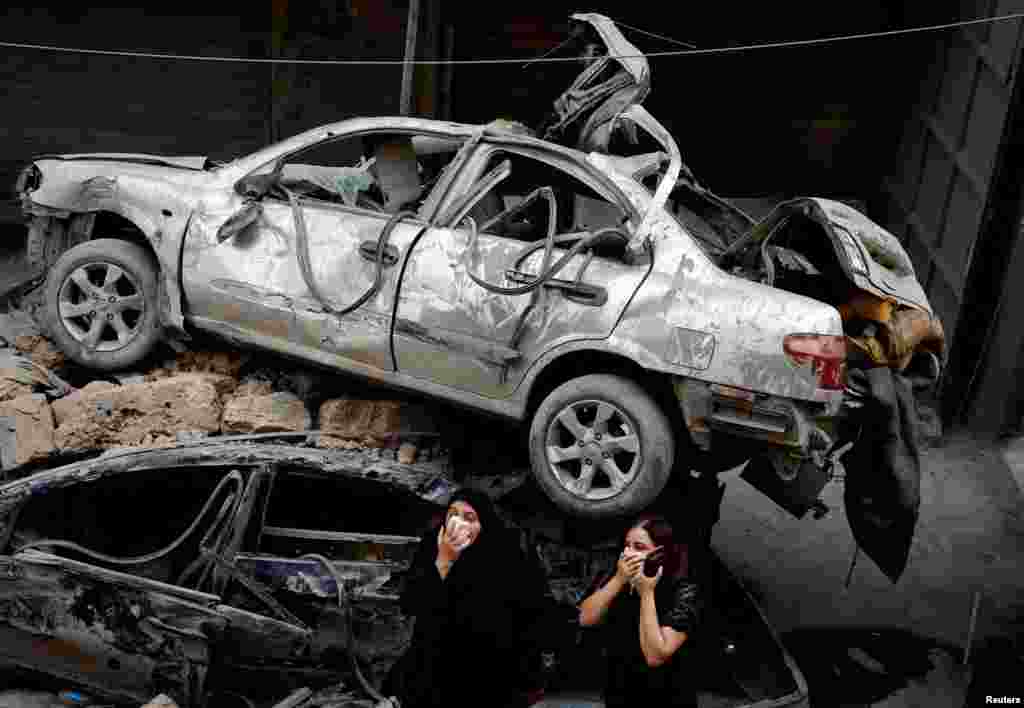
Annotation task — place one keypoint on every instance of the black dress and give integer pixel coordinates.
(474, 630)
(630, 681)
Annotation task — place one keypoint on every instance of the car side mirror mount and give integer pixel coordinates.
(240, 221)
(257, 186)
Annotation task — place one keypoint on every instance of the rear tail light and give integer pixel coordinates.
(825, 353)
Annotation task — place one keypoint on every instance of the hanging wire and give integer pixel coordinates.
(655, 35)
(436, 62)
(549, 52)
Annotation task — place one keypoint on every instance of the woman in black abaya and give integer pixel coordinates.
(475, 598)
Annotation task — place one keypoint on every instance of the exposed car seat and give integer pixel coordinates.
(397, 172)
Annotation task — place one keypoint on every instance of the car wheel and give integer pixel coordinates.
(601, 447)
(101, 304)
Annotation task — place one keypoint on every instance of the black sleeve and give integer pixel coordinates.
(424, 590)
(684, 612)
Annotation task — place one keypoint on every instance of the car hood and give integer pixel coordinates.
(184, 162)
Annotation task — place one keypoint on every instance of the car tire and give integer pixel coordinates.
(106, 326)
(601, 447)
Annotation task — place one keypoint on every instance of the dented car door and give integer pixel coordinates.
(301, 276)
(472, 313)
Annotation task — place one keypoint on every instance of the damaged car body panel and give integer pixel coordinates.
(110, 632)
(241, 587)
(157, 196)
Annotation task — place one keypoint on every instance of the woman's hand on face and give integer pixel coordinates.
(628, 566)
(451, 544)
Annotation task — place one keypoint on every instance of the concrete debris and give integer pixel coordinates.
(26, 430)
(161, 701)
(21, 376)
(373, 423)
(407, 453)
(265, 413)
(11, 386)
(105, 415)
(40, 350)
(251, 387)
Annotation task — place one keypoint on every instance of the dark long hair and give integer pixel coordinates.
(677, 553)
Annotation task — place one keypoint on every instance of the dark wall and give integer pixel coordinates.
(66, 102)
(820, 120)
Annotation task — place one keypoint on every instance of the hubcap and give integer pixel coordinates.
(101, 306)
(593, 449)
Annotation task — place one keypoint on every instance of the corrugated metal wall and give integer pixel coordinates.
(941, 184)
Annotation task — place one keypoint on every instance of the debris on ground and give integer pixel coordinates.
(263, 412)
(27, 431)
(372, 423)
(104, 415)
(40, 350)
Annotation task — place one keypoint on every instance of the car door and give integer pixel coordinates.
(325, 207)
(452, 331)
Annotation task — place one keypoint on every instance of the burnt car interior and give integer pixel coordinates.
(273, 543)
(80, 517)
(578, 207)
(383, 172)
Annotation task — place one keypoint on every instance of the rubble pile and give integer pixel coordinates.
(189, 394)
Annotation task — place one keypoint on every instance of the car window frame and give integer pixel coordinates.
(430, 203)
(476, 169)
(14, 520)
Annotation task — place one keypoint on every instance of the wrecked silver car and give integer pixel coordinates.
(635, 321)
(247, 567)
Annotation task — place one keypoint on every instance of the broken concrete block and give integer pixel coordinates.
(26, 430)
(104, 415)
(161, 701)
(41, 350)
(373, 423)
(11, 387)
(265, 413)
(407, 453)
(253, 388)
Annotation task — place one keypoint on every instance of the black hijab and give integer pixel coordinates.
(493, 553)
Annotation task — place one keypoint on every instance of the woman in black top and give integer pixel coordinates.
(649, 618)
(476, 600)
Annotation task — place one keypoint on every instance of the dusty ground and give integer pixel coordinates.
(969, 545)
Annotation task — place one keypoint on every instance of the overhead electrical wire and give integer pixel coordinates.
(518, 60)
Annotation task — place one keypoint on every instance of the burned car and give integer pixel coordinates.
(211, 569)
(632, 319)
(250, 567)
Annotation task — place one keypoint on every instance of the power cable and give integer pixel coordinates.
(547, 59)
